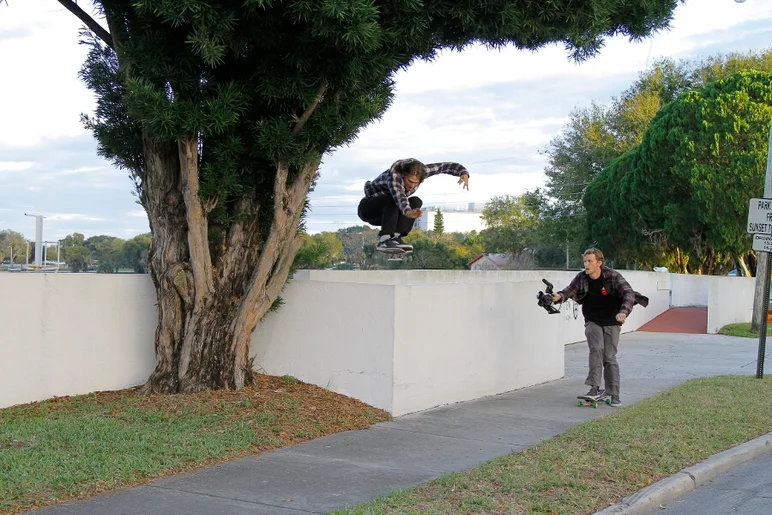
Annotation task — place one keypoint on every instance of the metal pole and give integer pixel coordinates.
(763, 330)
(762, 265)
(38, 238)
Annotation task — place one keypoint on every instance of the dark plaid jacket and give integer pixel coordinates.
(390, 182)
(614, 284)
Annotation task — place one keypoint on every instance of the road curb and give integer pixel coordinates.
(648, 500)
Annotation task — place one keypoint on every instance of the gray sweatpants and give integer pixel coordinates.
(603, 342)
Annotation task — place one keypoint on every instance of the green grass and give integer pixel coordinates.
(598, 463)
(743, 329)
(76, 447)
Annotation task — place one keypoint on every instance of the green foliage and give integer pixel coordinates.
(78, 258)
(512, 211)
(321, 250)
(355, 241)
(435, 252)
(12, 243)
(598, 135)
(439, 223)
(685, 189)
(107, 250)
(512, 222)
(134, 253)
(239, 75)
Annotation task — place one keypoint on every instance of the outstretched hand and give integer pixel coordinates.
(465, 180)
(414, 213)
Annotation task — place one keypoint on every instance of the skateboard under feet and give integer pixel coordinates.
(593, 400)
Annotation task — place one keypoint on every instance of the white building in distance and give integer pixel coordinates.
(454, 219)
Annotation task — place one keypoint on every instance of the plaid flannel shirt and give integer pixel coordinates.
(390, 182)
(614, 283)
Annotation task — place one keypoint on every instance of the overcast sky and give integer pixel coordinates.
(491, 111)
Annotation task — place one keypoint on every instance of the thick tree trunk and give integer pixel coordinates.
(207, 311)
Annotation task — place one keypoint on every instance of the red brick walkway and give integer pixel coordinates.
(680, 320)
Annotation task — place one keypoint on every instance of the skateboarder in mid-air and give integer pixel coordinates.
(388, 203)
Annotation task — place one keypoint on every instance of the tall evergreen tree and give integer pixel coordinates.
(221, 110)
(439, 222)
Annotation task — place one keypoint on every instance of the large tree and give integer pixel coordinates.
(682, 194)
(222, 110)
(598, 134)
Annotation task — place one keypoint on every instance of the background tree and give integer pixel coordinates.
(682, 194)
(319, 251)
(78, 259)
(439, 223)
(107, 250)
(135, 252)
(75, 253)
(511, 223)
(355, 240)
(12, 243)
(597, 135)
(433, 252)
(221, 112)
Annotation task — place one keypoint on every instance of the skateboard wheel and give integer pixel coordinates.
(595, 405)
(579, 403)
(608, 401)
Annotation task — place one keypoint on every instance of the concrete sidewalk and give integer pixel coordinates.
(354, 467)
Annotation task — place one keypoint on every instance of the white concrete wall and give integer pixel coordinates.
(730, 301)
(339, 336)
(689, 290)
(69, 334)
(457, 342)
(404, 348)
(424, 276)
(402, 340)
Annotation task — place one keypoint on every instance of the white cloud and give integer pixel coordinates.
(15, 166)
(68, 217)
(45, 47)
(80, 171)
(137, 214)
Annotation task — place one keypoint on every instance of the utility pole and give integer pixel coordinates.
(38, 238)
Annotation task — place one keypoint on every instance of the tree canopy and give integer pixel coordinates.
(221, 112)
(682, 195)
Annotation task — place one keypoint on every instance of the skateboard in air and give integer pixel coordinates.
(396, 254)
(593, 400)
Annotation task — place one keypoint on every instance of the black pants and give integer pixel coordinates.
(383, 211)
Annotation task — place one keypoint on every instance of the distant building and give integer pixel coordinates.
(522, 261)
(454, 220)
(490, 262)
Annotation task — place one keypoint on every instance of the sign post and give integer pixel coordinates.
(760, 225)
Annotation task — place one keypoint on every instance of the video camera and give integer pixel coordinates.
(545, 298)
